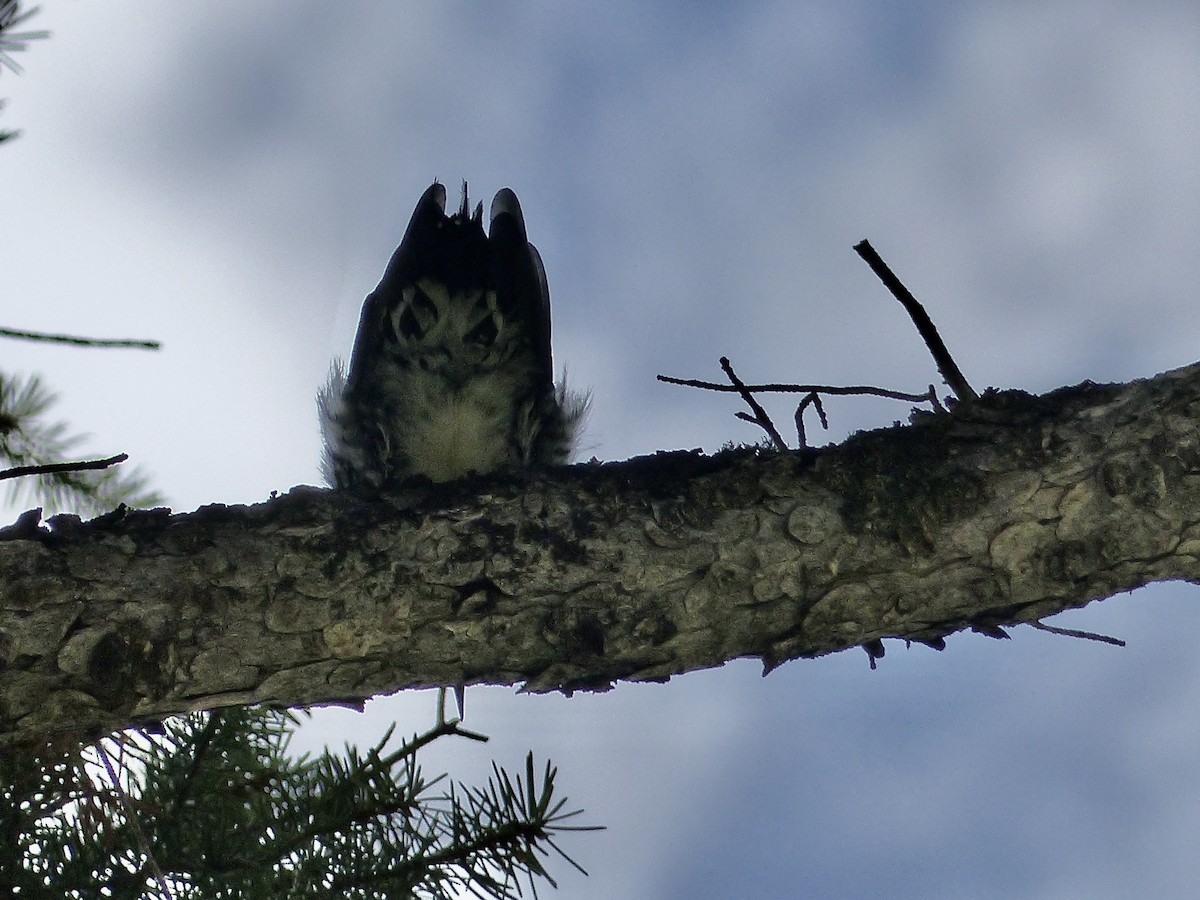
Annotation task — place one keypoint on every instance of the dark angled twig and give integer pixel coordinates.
(796, 389)
(941, 356)
(813, 400)
(760, 415)
(1071, 632)
(51, 468)
(78, 341)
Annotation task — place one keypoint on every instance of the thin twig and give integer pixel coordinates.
(52, 468)
(796, 389)
(941, 356)
(1071, 632)
(760, 415)
(79, 341)
(131, 816)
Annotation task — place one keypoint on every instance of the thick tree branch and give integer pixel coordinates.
(1008, 510)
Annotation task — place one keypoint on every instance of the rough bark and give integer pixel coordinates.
(1009, 509)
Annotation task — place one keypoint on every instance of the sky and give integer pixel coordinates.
(231, 179)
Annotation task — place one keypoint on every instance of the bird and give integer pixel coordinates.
(451, 373)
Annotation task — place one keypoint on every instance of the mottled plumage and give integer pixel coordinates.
(451, 373)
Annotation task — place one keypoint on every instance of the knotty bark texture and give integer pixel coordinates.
(1007, 510)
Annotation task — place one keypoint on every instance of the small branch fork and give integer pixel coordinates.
(950, 372)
